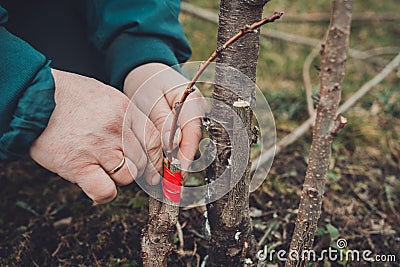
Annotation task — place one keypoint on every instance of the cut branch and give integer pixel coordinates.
(327, 125)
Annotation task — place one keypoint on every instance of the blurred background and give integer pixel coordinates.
(45, 221)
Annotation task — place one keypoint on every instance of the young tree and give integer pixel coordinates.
(231, 239)
(327, 125)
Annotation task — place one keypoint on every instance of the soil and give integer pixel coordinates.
(46, 221)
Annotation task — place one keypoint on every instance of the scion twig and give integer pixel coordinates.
(189, 89)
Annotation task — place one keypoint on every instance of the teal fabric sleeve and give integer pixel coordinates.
(132, 33)
(27, 94)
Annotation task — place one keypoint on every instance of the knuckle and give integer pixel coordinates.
(160, 119)
(114, 126)
(105, 194)
(152, 136)
(153, 144)
(109, 158)
(125, 180)
(141, 163)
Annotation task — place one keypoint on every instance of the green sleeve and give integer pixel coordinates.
(131, 33)
(27, 93)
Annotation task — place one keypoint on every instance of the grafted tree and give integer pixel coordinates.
(231, 239)
(327, 126)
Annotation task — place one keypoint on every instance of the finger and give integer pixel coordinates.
(191, 130)
(193, 108)
(149, 137)
(133, 150)
(161, 115)
(97, 185)
(191, 135)
(114, 164)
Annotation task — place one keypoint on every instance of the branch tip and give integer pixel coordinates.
(340, 123)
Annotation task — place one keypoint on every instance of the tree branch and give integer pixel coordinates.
(363, 17)
(307, 80)
(189, 89)
(327, 126)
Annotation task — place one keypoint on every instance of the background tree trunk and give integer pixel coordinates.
(231, 238)
(327, 125)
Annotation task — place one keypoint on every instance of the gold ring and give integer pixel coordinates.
(118, 167)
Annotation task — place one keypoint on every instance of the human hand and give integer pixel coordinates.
(83, 140)
(155, 88)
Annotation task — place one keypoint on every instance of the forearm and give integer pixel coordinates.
(30, 116)
(27, 94)
(133, 33)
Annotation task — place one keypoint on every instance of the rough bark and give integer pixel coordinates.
(327, 125)
(231, 238)
(157, 235)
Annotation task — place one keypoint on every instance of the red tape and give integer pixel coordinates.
(172, 184)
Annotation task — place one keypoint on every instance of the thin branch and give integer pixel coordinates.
(180, 236)
(189, 89)
(380, 51)
(364, 17)
(370, 84)
(305, 126)
(289, 37)
(307, 80)
(327, 126)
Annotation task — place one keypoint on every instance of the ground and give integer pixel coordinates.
(46, 221)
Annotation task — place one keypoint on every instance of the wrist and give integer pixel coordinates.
(139, 75)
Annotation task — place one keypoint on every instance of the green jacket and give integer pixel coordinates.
(116, 28)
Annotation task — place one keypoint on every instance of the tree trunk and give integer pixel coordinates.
(157, 236)
(327, 125)
(157, 243)
(231, 238)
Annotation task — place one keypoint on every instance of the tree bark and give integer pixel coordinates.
(231, 238)
(157, 236)
(327, 125)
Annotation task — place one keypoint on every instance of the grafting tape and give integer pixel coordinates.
(172, 184)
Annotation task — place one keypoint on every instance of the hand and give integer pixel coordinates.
(83, 140)
(155, 88)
